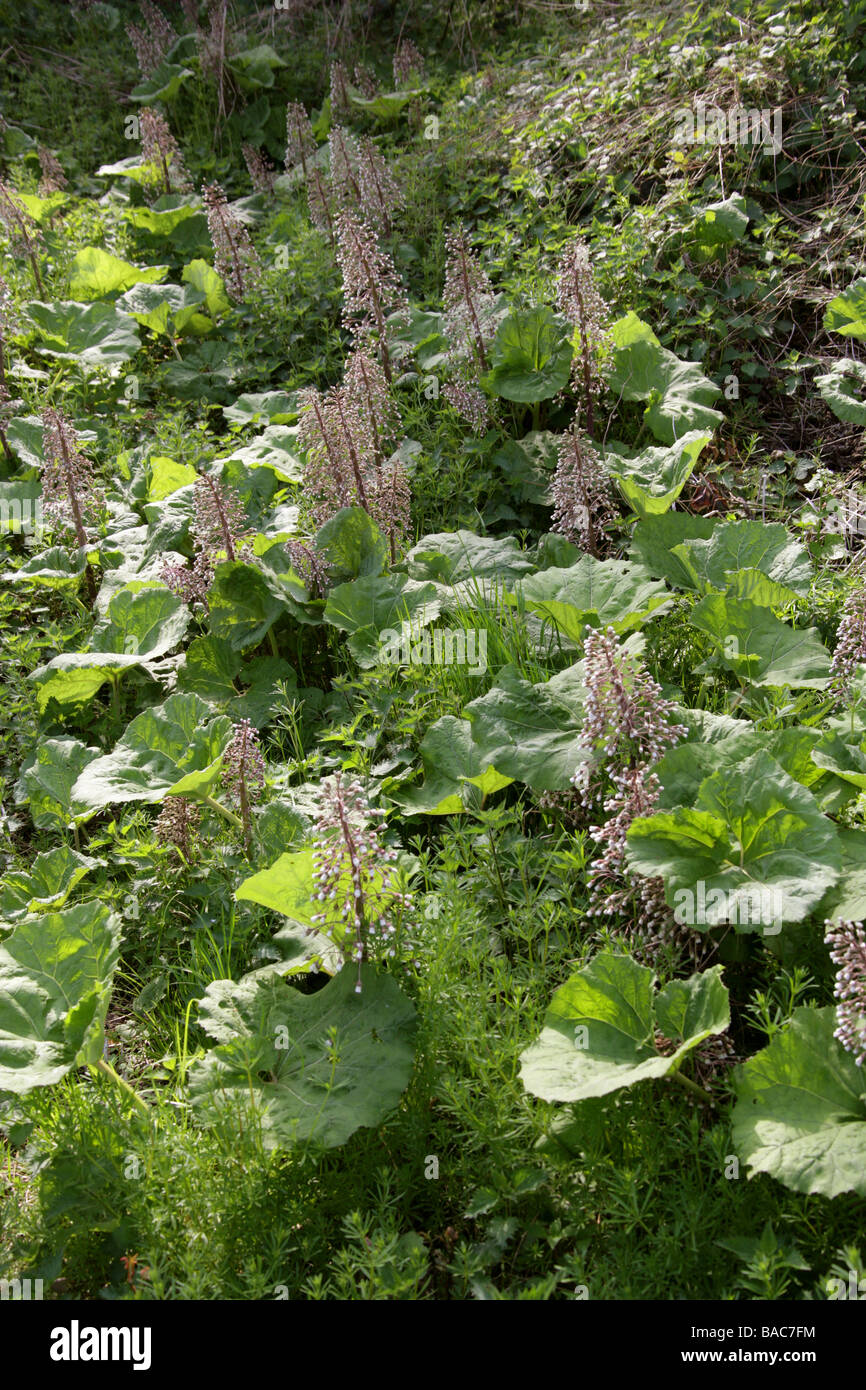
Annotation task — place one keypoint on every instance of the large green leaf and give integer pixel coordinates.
(353, 545)
(96, 274)
(144, 619)
(310, 1067)
(720, 224)
(175, 748)
(846, 314)
(242, 607)
(531, 732)
(55, 983)
(679, 396)
(167, 309)
(801, 1109)
(46, 884)
(844, 390)
(273, 407)
(172, 219)
(594, 593)
(53, 569)
(531, 355)
(95, 335)
(375, 604)
(755, 851)
(657, 537)
(652, 480)
(203, 278)
(273, 448)
(744, 547)
(598, 1033)
(452, 556)
(47, 784)
(455, 774)
(162, 85)
(758, 647)
(216, 672)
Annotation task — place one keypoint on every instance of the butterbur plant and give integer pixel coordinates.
(366, 80)
(847, 942)
(71, 499)
(217, 530)
(22, 232)
(244, 775)
(300, 141)
(468, 304)
(341, 106)
(343, 156)
(235, 257)
(53, 178)
(627, 726)
(380, 194)
(371, 287)
(177, 824)
(320, 197)
(8, 325)
(310, 566)
(583, 306)
(159, 148)
(260, 169)
(851, 639)
(408, 64)
(582, 493)
(354, 874)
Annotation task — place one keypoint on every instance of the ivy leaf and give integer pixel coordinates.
(175, 748)
(531, 355)
(754, 851)
(311, 1067)
(96, 274)
(801, 1109)
(598, 1033)
(760, 648)
(651, 481)
(55, 983)
(594, 593)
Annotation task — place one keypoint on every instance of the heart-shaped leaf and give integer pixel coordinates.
(310, 1067)
(599, 1031)
(531, 355)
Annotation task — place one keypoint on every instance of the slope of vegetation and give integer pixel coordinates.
(433, 744)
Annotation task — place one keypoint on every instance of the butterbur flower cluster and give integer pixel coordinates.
(847, 942)
(381, 196)
(217, 529)
(260, 169)
(8, 325)
(152, 43)
(177, 824)
(235, 257)
(310, 566)
(851, 639)
(71, 498)
(244, 774)
(53, 178)
(468, 326)
(343, 158)
(371, 287)
(341, 105)
(319, 200)
(344, 434)
(408, 64)
(23, 233)
(583, 306)
(366, 81)
(159, 148)
(353, 873)
(627, 727)
(582, 493)
(300, 141)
